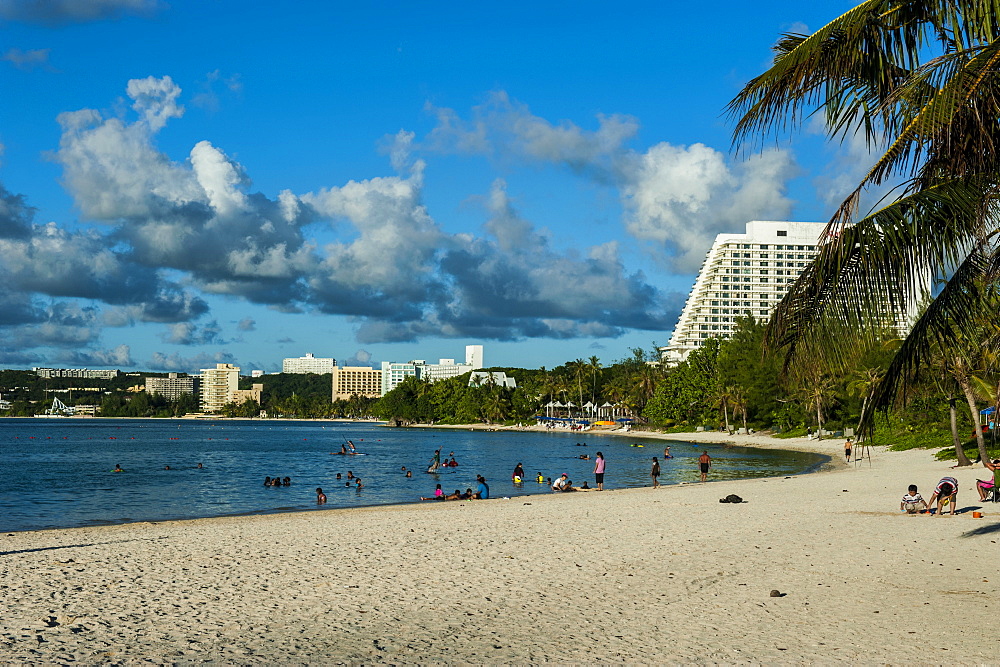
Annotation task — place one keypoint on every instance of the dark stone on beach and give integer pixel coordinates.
(775, 593)
(731, 498)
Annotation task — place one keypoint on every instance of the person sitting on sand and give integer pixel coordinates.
(320, 496)
(483, 490)
(467, 495)
(561, 483)
(584, 486)
(945, 493)
(454, 496)
(912, 501)
(984, 486)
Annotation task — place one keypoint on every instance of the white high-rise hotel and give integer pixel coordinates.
(743, 275)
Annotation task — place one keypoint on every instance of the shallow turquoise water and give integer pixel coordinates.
(57, 472)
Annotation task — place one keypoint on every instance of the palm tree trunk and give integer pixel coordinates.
(819, 419)
(963, 460)
(725, 411)
(970, 397)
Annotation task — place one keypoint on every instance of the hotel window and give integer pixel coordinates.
(782, 232)
(762, 247)
(746, 270)
(725, 279)
(703, 327)
(763, 312)
(715, 311)
(763, 272)
(715, 319)
(763, 263)
(715, 327)
(763, 279)
(715, 303)
(704, 335)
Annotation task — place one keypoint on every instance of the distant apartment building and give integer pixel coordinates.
(173, 386)
(308, 364)
(241, 396)
(394, 373)
(743, 275)
(90, 374)
(217, 387)
(356, 381)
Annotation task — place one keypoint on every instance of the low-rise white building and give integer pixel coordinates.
(393, 373)
(308, 364)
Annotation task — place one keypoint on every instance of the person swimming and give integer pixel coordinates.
(118, 468)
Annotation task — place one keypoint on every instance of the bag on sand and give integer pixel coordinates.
(731, 498)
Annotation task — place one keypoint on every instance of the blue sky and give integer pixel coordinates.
(185, 183)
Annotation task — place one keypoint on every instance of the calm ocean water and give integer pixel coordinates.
(57, 472)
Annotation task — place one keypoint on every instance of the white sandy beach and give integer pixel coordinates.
(641, 575)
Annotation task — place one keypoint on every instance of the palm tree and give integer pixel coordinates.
(920, 80)
(594, 364)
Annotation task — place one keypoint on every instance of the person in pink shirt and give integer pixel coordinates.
(599, 471)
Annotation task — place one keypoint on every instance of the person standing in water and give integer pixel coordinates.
(599, 471)
(518, 475)
(705, 464)
(655, 473)
(435, 462)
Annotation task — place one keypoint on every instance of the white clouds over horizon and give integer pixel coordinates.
(677, 198)
(383, 261)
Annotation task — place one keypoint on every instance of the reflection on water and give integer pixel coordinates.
(59, 471)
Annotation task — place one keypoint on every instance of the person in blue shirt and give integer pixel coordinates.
(483, 490)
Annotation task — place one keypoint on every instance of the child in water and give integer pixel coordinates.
(320, 496)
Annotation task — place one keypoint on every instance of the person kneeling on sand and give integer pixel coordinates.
(562, 483)
(945, 493)
(912, 501)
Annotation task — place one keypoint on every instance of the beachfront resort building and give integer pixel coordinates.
(743, 275)
(394, 372)
(241, 396)
(308, 364)
(356, 381)
(173, 386)
(218, 386)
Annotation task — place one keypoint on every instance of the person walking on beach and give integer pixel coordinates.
(599, 471)
(655, 473)
(847, 451)
(705, 463)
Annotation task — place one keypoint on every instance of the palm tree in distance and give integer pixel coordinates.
(920, 78)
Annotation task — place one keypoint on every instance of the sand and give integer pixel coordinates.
(642, 575)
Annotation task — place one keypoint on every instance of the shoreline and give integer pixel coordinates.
(563, 577)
